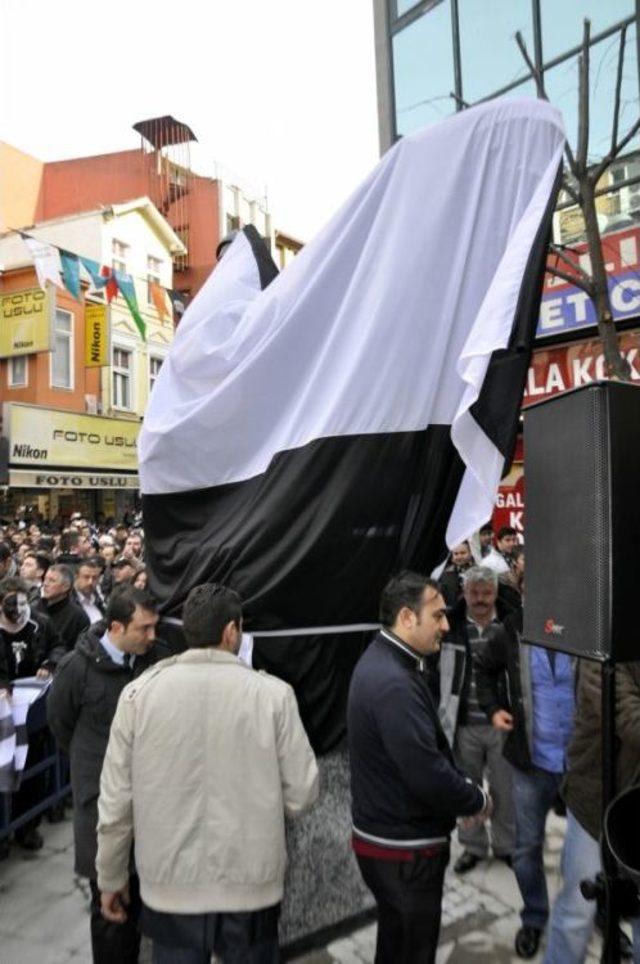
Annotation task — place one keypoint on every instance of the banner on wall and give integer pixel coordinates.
(26, 321)
(96, 337)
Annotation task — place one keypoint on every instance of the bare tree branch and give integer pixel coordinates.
(583, 100)
(616, 105)
(458, 100)
(542, 94)
(574, 280)
(535, 73)
(574, 265)
(620, 146)
(571, 191)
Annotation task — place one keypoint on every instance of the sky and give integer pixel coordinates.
(279, 92)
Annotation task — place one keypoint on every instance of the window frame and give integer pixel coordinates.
(11, 381)
(118, 370)
(70, 334)
(154, 274)
(154, 357)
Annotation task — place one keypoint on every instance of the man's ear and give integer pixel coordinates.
(228, 638)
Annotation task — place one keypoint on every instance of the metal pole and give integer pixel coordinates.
(611, 933)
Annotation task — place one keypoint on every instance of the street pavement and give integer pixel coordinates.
(43, 910)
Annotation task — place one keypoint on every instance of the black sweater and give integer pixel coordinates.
(405, 786)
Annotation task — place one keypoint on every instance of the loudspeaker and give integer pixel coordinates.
(582, 497)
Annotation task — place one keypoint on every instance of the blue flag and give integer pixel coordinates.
(71, 272)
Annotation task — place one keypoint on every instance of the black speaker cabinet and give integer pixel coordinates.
(582, 496)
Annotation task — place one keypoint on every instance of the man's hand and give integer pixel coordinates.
(5, 693)
(468, 823)
(114, 903)
(43, 673)
(501, 720)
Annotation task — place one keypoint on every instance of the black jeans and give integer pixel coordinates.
(116, 943)
(249, 937)
(409, 899)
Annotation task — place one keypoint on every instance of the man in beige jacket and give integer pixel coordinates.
(205, 758)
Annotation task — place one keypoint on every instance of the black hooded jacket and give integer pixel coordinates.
(81, 704)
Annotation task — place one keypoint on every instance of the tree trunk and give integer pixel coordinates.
(616, 365)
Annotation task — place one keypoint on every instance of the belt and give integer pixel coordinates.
(365, 849)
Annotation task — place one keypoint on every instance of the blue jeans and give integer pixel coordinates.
(572, 917)
(534, 793)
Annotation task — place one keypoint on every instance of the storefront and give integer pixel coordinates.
(62, 462)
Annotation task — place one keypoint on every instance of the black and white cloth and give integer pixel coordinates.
(333, 422)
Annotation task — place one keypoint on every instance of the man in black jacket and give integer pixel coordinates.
(67, 616)
(405, 787)
(81, 705)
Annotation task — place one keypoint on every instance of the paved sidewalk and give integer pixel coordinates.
(43, 916)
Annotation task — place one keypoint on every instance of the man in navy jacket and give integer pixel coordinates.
(406, 789)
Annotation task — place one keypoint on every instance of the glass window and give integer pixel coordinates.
(403, 5)
(562, 22)
(423, 70)
(62, 354)
(121, 378)
(490, 56)
(119, 256)
(155, 364)
(561, 84)
(19, 371)
(154, 268)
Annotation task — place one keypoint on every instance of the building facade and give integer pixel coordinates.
(75, 372)
(436, 57)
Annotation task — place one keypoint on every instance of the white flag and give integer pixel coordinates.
(46, 259)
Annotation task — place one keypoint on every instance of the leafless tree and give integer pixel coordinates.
(580, 182)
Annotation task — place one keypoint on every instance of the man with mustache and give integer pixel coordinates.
(476, 743)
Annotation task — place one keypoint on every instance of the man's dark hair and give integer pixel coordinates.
(69, 540)
(65, 571)
(43, 560)
(123, 602)
(5, 552)
(207, 611)
(505, 531)
(404, 589)
(46, 544)
(487, 527)
(12, 584)
(89, 564)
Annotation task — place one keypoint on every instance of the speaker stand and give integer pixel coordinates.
(611, 932)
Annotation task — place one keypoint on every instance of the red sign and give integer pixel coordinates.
(509, 505)
(556, 370)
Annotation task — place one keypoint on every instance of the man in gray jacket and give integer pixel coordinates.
(205, 758)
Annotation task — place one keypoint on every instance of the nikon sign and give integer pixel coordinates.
(47, 438)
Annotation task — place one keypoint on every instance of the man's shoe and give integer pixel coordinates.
(505, 858)
(527, 942)
(466, 862)
(30, 840)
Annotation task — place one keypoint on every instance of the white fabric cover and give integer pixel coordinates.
(385, 322)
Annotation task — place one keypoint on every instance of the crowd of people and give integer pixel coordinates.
(451, 720)
(55, 583)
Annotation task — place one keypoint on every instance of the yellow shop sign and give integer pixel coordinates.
(26, 321)
(45, 436)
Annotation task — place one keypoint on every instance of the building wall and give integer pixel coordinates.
(86, 183)
(39, 390)
(20, 186)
